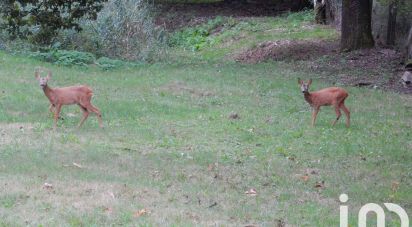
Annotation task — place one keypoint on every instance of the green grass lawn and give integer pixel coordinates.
(170, 147)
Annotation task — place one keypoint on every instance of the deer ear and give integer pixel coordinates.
(299, 81)
(49, 74)
(309, 82)
(36, 74)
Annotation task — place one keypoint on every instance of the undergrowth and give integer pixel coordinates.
(77, 58)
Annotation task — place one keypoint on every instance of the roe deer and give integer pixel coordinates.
(80, 95)
(334, 96)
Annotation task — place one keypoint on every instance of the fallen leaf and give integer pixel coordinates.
(108, 210)
(212, 205)
(395, 186)
(140, 213)
(47, 186)
(305, 177)
(77, 165)
(234, 116)
(320, 184)
(251, 192)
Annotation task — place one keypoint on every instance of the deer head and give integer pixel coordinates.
(304, 87)
(42, 80)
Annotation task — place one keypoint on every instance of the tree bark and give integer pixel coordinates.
(320, 13)
(330, 12)
(391, 31)
(356, 25)
(408, 47)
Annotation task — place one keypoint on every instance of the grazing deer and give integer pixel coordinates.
(80, 95)
(334, 96)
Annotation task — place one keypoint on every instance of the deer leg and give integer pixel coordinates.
(84, 117)
(51, 107)
(347, 113)
(99, 116)
(315, 114)
(338, 114)
(56, 115)
(93, 109)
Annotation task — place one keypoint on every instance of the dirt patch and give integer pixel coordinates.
(379, 67)
(175, 16)
(287, 50)
(179, 88)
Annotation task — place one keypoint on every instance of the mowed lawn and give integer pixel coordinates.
(170, 147)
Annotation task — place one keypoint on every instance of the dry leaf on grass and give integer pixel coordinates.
(395, 186)
(320, 185)
(234, 116)
(251, 192)
(108, 210)
(77, 165)
(47, 186)
(305, 177)
(141, 213)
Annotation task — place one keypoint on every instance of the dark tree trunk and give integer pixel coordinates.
(408, 47)
(356, 25)
(320, 13)
(330, 12)
(391, 32)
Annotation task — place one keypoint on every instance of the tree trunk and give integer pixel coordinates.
(391, 31)
(320, 13)
(356, 25)
(408, 47)
(330, 12)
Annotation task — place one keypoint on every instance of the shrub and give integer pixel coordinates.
(64, 57)
(77, 58)
(197, 37)
(126, 29)
(39, 20)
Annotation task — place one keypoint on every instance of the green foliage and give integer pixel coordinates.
(300, 17)
(108, 63)
(77, 58)
(126, 30)
(169, 141)
(39, 20)
(65, 58)
(197, 37)
(403, 7)
(219, 29)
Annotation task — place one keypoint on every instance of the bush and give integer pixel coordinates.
(123, 29)
(77, 58)
(197, 37)
(64, 57)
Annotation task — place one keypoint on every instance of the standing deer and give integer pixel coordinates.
(334, 96)
(80, 95)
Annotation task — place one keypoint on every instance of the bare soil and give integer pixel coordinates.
(175, 16)
(379, 67)
(287, 50)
